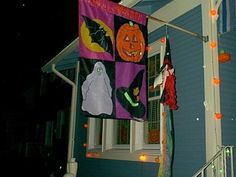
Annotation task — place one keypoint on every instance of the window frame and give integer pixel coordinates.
(137, 146)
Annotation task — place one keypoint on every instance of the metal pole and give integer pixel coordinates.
(225, 167)
(203, 38)
(232, 161)
(71, 163)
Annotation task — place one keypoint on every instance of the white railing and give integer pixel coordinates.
(220, 165)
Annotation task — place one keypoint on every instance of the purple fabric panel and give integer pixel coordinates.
(125, 73)
(102, 12)
(94, 13)
(114, 8)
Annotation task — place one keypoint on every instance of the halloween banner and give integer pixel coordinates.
(113, 55)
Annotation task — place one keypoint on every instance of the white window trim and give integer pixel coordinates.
(136, 148)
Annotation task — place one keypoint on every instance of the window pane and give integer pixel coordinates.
(152, 126)
(98, 131)
(153, 72)
(122, 132)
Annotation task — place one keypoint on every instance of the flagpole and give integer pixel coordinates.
(203, 38)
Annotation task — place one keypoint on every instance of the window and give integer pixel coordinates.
(122, 132)
(129, 139)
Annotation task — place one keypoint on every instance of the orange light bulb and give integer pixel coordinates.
(163, 40)
(216, 81)
(213, 12)
(88, 155)
(218, 116)
(213, 44)
(85, 125)
(143, 158)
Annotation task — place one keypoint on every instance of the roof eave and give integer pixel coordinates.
(61, 55)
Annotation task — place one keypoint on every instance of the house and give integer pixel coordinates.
(199, 129)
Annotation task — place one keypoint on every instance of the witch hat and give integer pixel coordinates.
(169, 94)
(137, 82)
(129, 97)
(167, 57)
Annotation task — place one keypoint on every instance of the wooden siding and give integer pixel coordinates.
(227, 42)
(189, 123)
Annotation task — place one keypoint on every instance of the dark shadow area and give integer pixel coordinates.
(35, 106)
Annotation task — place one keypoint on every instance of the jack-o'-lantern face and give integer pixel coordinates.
(130, 42)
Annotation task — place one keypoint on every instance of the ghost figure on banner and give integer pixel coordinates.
(97, 92)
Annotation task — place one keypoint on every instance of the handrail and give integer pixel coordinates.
(220, 152)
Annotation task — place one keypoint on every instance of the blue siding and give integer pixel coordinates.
(189, 123)
(227, 42)
(187, 57)
(146, 7)
(189, 153)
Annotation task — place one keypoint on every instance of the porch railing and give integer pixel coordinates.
(220, 165)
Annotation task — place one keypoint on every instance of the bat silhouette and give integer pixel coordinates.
(98, 35)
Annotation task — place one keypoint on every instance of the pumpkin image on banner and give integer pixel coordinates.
(130, 42)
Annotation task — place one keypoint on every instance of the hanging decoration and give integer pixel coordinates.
(224, 56)
(168, 103)
(113, 55)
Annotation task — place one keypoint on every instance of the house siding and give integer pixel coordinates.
(189, 119)
(189, 127)
(227, 42)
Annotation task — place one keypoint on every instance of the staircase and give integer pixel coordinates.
(220, 165)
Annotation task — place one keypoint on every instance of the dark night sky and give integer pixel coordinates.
(34, 32)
